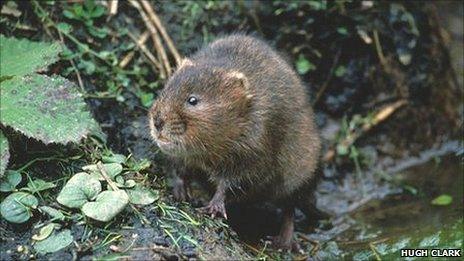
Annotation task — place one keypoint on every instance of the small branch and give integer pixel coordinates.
(156, 40)
(374, 250)
(329, 78)
(126, 59)
(379, 117)
(113, 7)
(316, 243)
(141, 41)
(147, 54)
(144, 48)
(102, 170)
(113, 186)
(378, 48)
(155, 19)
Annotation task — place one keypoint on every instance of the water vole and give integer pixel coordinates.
(237, 111)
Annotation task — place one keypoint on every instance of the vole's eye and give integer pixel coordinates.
(192, 100)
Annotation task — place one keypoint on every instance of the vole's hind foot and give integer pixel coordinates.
(214, 209)
(181, 190)
(285, 240)
(286, 245)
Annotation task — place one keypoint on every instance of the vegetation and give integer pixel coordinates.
(80, 177)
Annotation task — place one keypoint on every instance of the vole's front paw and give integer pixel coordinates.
(215, 208)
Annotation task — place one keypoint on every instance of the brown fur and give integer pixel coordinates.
(252, 129)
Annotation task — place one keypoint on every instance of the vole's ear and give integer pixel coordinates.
(185, 62)
(239, 80)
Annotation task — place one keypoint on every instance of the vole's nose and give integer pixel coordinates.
(159, 123)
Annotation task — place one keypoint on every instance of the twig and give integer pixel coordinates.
(329, 77)
(113, 186)
(126, 59)
(156, 40)
(316, 243)
(144, 49)
(374, 250)
(378, 48)
(102, 170)
(162, 30)
(141, 41)
(113, 7)
(379, 117)
(256, 251)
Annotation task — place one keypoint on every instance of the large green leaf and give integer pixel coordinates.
(142, 196)
(20, 57)
(16, 208)
(4, 153)
(107, 205)
(55, 214)
(44, 232)
(55, 242)
(9, 182)
(49, 109)
(442, 200)
(80, 188)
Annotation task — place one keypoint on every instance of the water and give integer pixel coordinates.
(381, 227)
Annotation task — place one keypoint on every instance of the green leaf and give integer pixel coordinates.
(44, 232)
(55, 242)
(98, 32)
(107, 205)
(142, 196)
(88, 66)
(317, 5)
(49, 109)
(97, 11)
(340, 71)
(89, 5)
(303, 65)
(114, 158)
(20, 57)
(10, 181)
(64, 27)
(121, 183)
(69, 14)
(442, 200)
(78, 10)
(342, 150)
(52, 212)
(16, 208)
(139, 165)
(405, 58)
(4, 153)
(112, 170)
(146, 98)
(79, 190)
(37, 185)
(342, 30)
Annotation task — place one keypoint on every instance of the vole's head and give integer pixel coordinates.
(202, 109)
